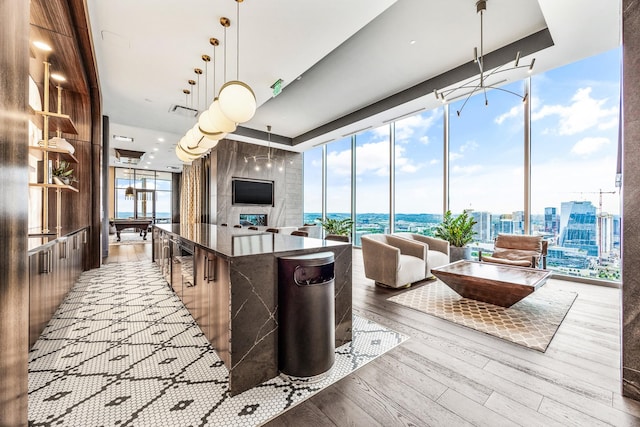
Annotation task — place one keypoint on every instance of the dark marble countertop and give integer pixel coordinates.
(232, 242)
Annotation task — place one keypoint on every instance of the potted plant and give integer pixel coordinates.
(63, 174)
(458, 231)
(340, 227)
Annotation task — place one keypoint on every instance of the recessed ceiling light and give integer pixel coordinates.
(42, 46)
(155, 148)
(148, 163)
(151, 156)
(146, 167)
(122, 138)
(412, 42)
(161, 139)
(58, 77)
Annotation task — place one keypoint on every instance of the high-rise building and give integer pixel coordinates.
(482, 227)
(551, 221)
(518, 222)
(578, 226)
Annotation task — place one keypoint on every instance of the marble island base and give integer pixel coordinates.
(233, 293)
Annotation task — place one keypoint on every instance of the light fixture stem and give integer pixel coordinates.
(225, 54)
(481, 59)
(238, 40)
(214, 71)
(206, 82)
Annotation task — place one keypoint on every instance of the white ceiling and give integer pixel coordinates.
(335, 57)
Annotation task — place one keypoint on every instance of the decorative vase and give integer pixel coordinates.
(57, 180)
(456, 253)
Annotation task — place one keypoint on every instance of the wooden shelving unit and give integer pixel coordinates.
(50, 121)
(63, 154)
(56, 186)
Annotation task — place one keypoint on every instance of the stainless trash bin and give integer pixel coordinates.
(306, 315)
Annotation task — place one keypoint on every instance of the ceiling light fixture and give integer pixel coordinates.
(129, 193)
(480, 83)
(42, 46)
(237, 100)
(269, 161)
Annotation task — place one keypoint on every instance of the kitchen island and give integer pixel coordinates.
(228, 279)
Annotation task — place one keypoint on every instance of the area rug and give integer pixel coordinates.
(531, 323)
(122, 350)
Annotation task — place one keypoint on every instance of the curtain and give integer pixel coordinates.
(190, 193)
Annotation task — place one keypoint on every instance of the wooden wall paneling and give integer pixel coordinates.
(52, 15)
(14, 271)
(64, 59)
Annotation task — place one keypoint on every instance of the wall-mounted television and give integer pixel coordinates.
(251, 192)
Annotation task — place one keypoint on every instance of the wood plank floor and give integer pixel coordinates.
(448, 375)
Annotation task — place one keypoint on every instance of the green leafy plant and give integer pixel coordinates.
(341, 227)
(458, 231)
(64, 172)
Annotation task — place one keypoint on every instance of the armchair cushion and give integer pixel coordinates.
(519, 250)
(437, 250)
(393, 261)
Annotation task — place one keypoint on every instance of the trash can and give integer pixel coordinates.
(306, 315)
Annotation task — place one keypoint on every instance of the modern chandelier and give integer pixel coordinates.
(480, 83)
(268, 161)
(235, 104)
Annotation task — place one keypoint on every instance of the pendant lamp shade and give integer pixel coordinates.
(220, 121)
(183, 156)
(205, 124)
(203, 141)
(237, 101)
(128, 193)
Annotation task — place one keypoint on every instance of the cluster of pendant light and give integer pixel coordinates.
(235, 104)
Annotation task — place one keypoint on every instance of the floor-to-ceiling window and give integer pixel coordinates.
(152, 194)
(339, 179)
(312, 185)
(372, 182)
(486, 158)
(418, 172)
(575, 202)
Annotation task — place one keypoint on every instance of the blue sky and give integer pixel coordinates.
(574, 145)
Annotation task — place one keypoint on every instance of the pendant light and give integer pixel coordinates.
(236, 99)
(205, 122)
(220, 120)
(128, 193)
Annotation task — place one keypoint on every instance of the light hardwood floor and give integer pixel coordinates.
(449, 375)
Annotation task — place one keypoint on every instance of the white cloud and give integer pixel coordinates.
(516, 111)
(425, 140)
(466, 170)
(421, 123)
(583, 113)
(454, 156)
(589, 145)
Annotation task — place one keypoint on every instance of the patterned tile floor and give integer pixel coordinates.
(122, 350)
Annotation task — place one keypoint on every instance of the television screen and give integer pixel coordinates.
(250, 192)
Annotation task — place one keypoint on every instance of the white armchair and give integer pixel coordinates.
(437, 250)
(392, 261)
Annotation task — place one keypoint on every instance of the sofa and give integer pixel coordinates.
(518, 250)
(437, 250)
(393, 261)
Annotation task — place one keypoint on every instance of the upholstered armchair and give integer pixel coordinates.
(437, 250)
(518, 250)
(392, 261)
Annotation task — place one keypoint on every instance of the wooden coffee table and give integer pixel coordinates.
(497, 284)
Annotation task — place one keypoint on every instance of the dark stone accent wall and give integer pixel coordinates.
(631, 204)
